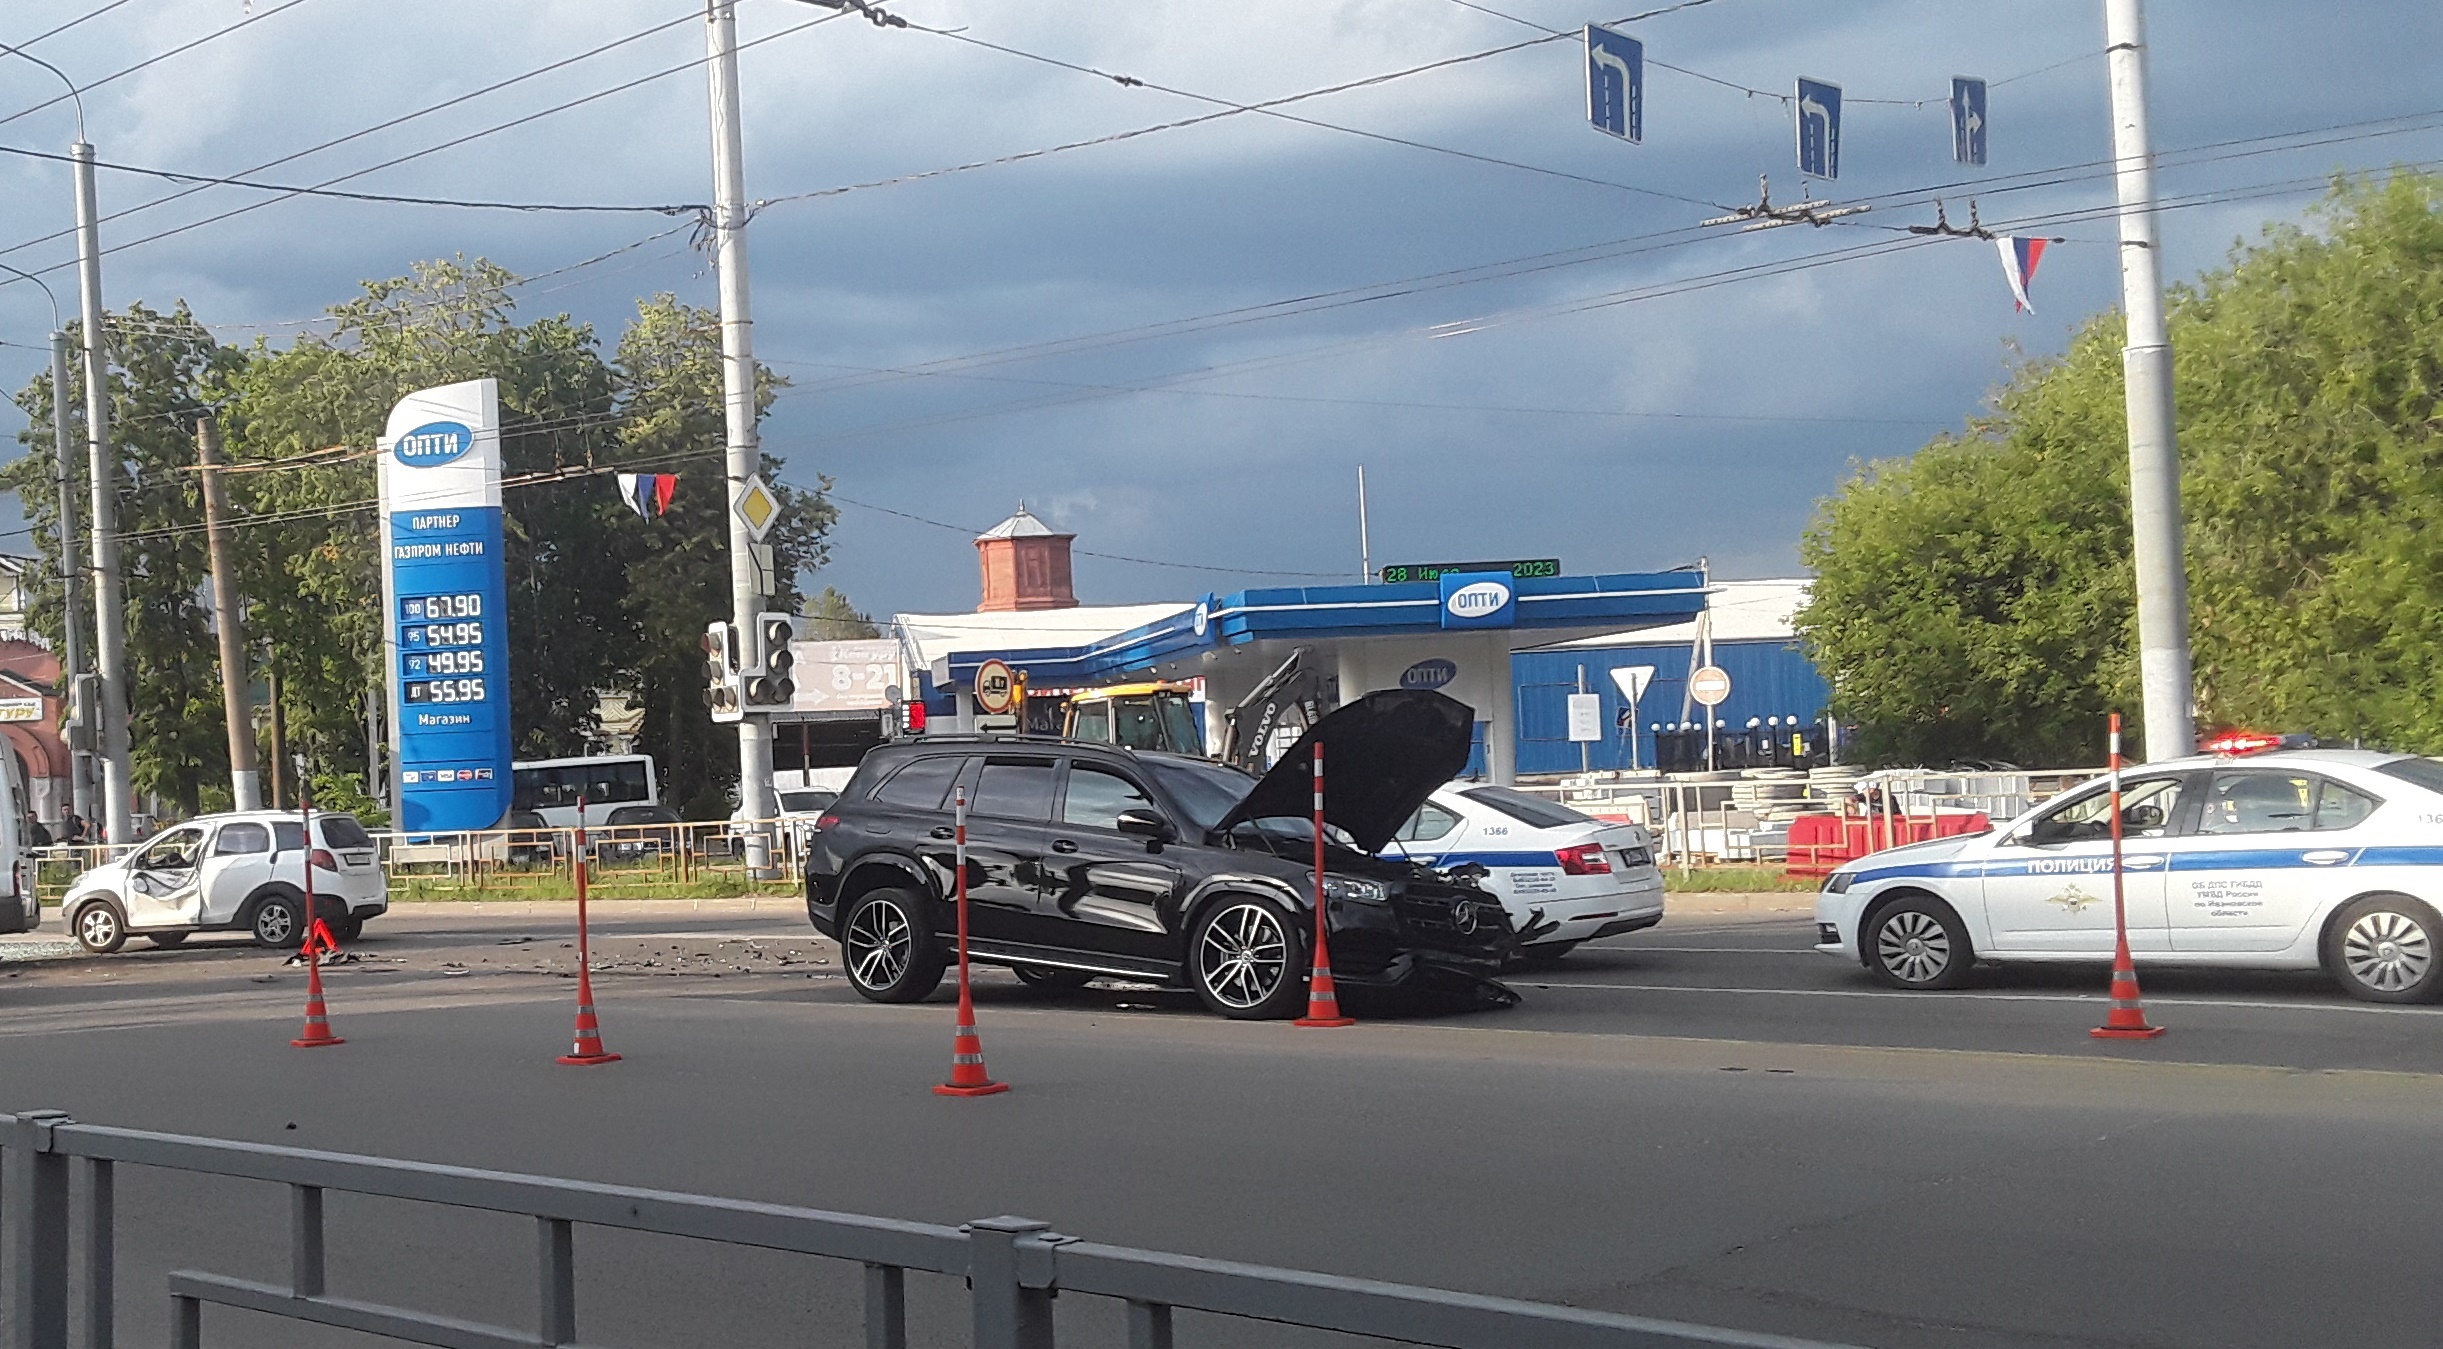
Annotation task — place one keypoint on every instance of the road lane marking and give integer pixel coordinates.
(2174, 1001)
(1720, 950)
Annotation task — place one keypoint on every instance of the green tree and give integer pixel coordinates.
(829, 617)
(1976, 599)
(309, 417)
(676, 568)
(164, 368)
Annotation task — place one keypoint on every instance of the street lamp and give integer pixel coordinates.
(109, 605)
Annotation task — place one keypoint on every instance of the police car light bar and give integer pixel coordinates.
(2234, 744)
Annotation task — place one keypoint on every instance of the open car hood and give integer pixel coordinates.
(1383, 755)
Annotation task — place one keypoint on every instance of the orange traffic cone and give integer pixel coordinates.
(967, 1075)
(317, 1032)
(2127, 1019)
(1322, 1000)
(588, 1049)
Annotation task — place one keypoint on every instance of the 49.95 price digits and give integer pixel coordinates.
(446, 691)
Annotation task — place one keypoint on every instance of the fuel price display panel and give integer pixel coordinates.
(453, 654)
(446, 595)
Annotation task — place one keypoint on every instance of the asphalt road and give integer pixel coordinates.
(1706, 1122)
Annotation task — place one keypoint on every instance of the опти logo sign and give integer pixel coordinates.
(434, 444)
(1478, 600)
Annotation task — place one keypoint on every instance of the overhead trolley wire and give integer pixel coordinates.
(1231, 108)
(62, 28)
(377, 127)
(452, 143)
(89, 87)
(208, 180)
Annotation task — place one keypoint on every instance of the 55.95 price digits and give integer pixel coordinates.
(446, 691)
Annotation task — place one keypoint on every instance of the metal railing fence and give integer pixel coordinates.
(624, 860)
(1013, 1266)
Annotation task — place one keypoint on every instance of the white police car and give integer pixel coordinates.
(2287, 860)
(1592, 877)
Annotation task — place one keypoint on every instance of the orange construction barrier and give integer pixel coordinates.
(1322, 999)
(967, 1075)
(2127, 1019)
(588, 1049)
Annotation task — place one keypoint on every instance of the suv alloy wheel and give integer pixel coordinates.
(1243, 959)
(889, 952)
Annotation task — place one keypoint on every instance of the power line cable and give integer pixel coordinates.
(88, 14)
(402, 119)
(208, 180)
(152, 60)
(1232, 109)
(452, 143)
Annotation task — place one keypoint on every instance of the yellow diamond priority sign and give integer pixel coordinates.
(757, 505)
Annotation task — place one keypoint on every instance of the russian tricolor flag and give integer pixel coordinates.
(2019, 257)
(648, 494)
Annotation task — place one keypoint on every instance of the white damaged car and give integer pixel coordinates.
(1594, 878)
(2284, 860)
(236, 872)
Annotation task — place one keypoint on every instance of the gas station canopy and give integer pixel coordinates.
(1455, 632)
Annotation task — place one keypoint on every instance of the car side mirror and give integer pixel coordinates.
(2142, 817)
(141, 883)
(1146, 824)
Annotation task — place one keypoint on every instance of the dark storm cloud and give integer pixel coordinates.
(1477, 409)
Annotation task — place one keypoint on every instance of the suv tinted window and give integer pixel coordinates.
(1096, 797)
(922, 783)
(342, 831)
(1015, 789)
(239, 839)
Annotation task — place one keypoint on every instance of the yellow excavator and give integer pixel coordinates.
(1156, 716)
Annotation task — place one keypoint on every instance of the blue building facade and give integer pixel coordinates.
(1768, 678)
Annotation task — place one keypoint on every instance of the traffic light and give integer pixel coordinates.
(84, 711)
(721, 686)
(767, 682)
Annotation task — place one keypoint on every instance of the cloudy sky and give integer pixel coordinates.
(1182, 344)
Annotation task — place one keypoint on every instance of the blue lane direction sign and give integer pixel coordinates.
(1616, 83)
(445, 608)
(1819, 129)
(1967, 120)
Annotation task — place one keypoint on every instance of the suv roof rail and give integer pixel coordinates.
(1004, 738)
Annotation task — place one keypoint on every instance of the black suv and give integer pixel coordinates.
(1086, 859)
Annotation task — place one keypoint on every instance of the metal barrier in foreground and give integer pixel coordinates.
(1013, 1266)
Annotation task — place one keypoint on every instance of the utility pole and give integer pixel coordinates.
(1365, 540)
(237, 702)
(2146, 371)
(109, 611)
(738, 401)
(71, 576)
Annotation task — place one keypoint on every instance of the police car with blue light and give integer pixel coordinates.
(1547, 863)
(2254, 855)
